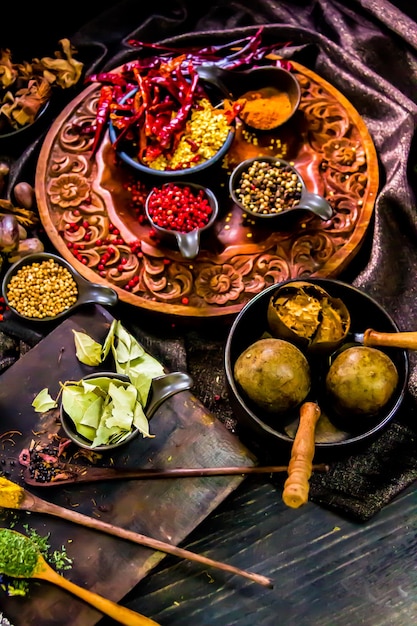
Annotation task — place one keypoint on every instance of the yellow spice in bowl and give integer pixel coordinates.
(40, 290)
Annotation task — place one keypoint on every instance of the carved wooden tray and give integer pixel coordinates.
(92, 207)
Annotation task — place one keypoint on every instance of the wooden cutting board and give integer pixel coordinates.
(186, 435)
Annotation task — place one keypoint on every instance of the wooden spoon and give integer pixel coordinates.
(25, 501)
(71, 473)
(43, 571)
(296, 487)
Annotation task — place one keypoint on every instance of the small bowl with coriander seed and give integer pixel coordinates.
(43, 287)
(267, 188)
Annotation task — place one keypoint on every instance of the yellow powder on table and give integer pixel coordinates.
(11, 494)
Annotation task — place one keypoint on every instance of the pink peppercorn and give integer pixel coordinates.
(179, 208)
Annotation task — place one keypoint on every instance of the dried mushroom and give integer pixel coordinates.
(307, 315)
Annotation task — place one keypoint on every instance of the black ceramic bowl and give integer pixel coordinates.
(187, 242)
(332, 433)
(251, 178)
(86, 292)
(127, 152)
(16, 137)
(70, 429)
(265, 83)
(162, 388)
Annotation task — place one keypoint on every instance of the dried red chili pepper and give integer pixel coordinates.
(178, 122)
(111, 78)
(102, 116)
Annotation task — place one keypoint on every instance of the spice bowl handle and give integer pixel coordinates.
(95, 293)
(189, 243)
(165, 386)
(316, 204)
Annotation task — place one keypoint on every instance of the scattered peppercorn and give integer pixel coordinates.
(179, 208)
(267, 188)
(40, 290)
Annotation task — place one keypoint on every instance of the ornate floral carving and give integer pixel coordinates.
(219, 284)
(344, 154)
(68, 190)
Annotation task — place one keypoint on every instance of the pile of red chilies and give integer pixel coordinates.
(166, 87)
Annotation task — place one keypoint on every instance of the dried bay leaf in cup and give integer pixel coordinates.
(307, 315)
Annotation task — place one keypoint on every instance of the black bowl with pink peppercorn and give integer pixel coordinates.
(179, 212)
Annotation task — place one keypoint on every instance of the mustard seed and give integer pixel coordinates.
(206, 132)
(40, 290)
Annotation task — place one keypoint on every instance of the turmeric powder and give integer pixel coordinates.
(265, 109)
(11, 494)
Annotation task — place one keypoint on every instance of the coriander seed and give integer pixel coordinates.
(40, 290)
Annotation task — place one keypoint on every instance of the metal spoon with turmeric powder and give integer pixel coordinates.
(267, 96)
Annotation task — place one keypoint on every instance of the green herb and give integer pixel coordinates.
(44, 402)
(87, 350)
(132, 360)
(104, 410)
(58, 558)
(18, 554)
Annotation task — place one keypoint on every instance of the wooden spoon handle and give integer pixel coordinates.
(406, 340)
(31, 502)
(121, 614)
(84, 474)
(296, 487)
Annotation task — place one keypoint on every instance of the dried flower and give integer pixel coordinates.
(26, 87)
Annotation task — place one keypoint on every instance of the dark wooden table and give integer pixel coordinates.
(327, 571)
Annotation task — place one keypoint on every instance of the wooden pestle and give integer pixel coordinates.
(296, 487)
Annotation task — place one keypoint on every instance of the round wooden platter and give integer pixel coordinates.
(92, 209)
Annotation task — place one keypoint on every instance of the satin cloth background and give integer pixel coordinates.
(366, 49)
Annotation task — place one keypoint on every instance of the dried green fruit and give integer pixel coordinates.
(307, 315)
(274, 374)
(361, 381)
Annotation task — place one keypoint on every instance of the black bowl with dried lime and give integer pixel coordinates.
(282, 355)
(306, 314)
